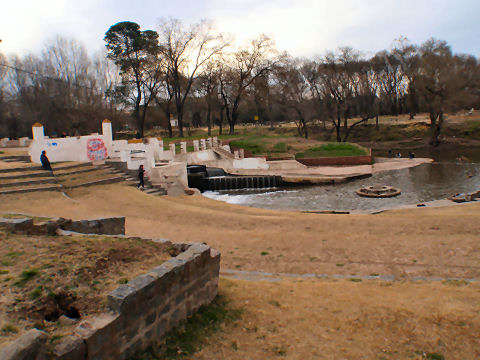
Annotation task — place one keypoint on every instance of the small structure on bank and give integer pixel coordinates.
(378, 191)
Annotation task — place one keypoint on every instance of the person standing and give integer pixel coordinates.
(45, 162)
(141, 174)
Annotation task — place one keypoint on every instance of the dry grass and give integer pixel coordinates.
(44, 277)
(314, 319)
(416, 242)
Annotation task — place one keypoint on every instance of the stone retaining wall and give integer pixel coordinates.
(140, 312)
(101, 226)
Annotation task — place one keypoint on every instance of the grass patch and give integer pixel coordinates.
(274, 303)
(9, 328)
(188, 339)
(332, 150)
(36, 293)
(434, 356)
(25, 277)
(22, 216)
(255, 146)
(280, 147)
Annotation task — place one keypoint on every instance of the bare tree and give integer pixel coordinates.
(186, 51)
(241, 69)
(294, 93)
(445, 82)
(209, 87)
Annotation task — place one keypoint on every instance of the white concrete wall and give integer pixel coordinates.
(82, 149)
(167, 173)
(200, 156)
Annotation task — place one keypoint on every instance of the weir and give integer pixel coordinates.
(231, 182)
(212, 179)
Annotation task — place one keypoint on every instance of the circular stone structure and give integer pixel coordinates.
(378, 191)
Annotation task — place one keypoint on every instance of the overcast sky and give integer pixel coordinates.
(301, 27)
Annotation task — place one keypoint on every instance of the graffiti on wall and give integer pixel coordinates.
(96, 149)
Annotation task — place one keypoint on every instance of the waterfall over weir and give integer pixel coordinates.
(212, 179)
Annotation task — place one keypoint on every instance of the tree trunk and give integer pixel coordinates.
(232, 123)
(180, 120)
(209, 125)
(376, 123)
(436, 125)
(170, 130)
(305, 130)
(337, 129)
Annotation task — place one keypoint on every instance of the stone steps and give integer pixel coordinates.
(15, 158)
(28, 182)
(149, 189)
(14, 175)
(21, 169)
(110, 180)
(28, 189)
(68, 166)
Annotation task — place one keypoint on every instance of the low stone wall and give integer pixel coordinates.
(101, 226)
(107, 226)
(331, 161)
(140, 312)
(32, 346)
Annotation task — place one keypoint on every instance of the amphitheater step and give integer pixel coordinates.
(21, 169)
(105, 181)
(27, 182)
(24, 175)
(29, 189)
(67, 172)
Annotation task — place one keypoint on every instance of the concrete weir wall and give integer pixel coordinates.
(140, 312)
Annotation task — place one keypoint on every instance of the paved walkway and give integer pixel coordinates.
(275, 277)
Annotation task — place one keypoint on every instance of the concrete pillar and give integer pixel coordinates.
(183, 147)
(203, 144)
(215, 142)
(37, 131)
(172, 149)
(107, 130)
(235, 154)
(160, 145)
(124, 155)
(196, 145)
(241, 153)
(209, 143)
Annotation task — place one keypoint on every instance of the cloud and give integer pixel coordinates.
(302, 27)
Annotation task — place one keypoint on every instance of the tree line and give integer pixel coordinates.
(194, 74)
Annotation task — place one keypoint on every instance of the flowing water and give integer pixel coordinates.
(420, 184)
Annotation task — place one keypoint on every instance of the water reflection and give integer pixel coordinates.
(419, 184)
